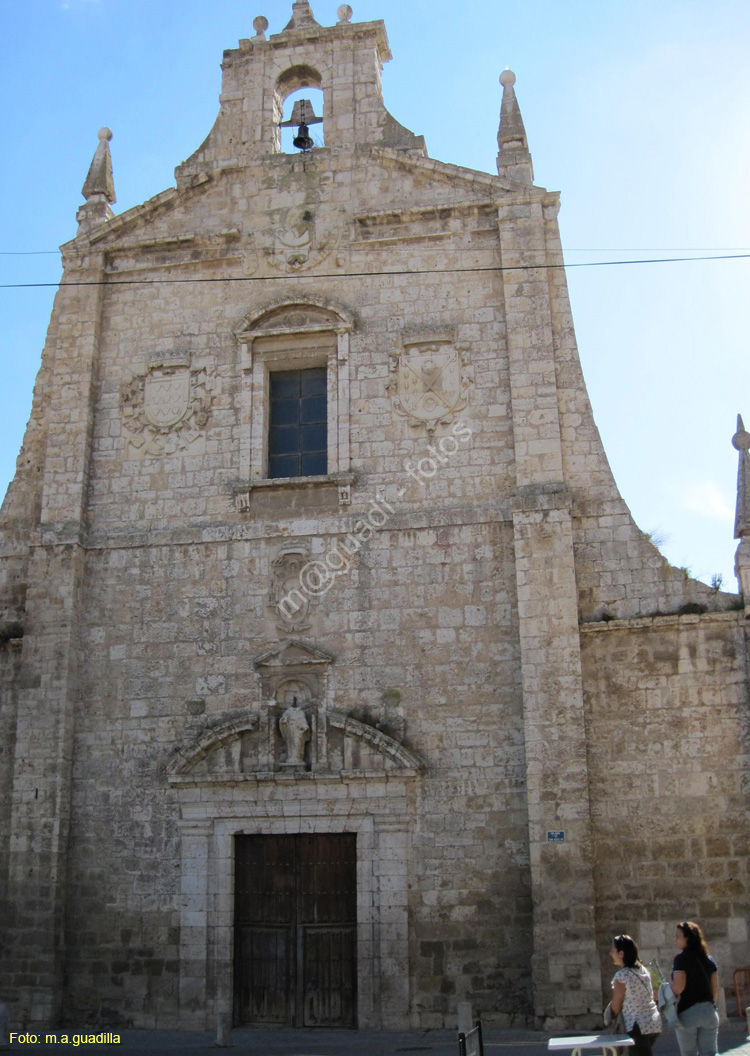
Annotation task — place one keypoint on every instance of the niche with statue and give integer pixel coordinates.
(293, 732)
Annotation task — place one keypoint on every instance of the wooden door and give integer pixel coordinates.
(295, 930)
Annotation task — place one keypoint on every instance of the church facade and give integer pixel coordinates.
(338, 683)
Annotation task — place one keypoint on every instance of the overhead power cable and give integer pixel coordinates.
(365, 274)
(566, 249)
(656, 249)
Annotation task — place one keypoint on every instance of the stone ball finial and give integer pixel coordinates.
(345, 13)
(741, 440)
(260, 25)
(507, 78)
(105, 133)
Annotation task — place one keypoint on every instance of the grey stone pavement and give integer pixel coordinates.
(732, 1039)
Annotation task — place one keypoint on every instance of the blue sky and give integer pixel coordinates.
(637, 112)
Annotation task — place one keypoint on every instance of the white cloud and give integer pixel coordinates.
(707, 499)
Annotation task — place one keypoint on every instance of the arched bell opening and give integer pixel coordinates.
(299, 111)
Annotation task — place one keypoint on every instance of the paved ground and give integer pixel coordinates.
(732, 1039)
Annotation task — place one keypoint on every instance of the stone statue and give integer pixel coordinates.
(295, 729)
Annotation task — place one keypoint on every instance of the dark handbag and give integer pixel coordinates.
(613, 1024)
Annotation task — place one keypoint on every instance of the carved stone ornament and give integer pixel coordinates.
(292, 315)
(297, 241)
(249, 747)
(429, 382)
(298, 317)
(287, 598)
(294, 727)
(294, 685)
(166, 409)
(291, 733)
(166, 396)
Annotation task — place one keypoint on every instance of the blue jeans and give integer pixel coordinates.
(698, 1030)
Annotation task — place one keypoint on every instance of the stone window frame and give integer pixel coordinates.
(294, 335)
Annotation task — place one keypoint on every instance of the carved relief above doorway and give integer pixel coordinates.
(291, 732)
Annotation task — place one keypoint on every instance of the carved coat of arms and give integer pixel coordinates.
(167, 408)
(286, 597)
(166, 395)
(297, 240)
(429, 382)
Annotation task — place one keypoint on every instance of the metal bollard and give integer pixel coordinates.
(747, 1018)
(465, 1021)
(223, 1030)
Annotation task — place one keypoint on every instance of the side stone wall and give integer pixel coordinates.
(668, 720)
(10, 665)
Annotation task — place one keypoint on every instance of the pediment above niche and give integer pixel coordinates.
(292, 653)
(284, 317)
(252, 746)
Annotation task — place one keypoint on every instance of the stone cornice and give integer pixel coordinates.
(411, 518)
(659, 622)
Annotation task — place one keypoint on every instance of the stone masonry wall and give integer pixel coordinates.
(423, 614)
(10, 666)
(128, 493)
(669, 761)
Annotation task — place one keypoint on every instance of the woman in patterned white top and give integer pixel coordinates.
(633, 995)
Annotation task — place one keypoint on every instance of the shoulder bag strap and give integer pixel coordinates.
(649, 984)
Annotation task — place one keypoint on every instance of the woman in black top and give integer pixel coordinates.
(695, 982)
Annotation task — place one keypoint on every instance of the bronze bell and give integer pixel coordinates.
(302, 140)
(303, 115)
